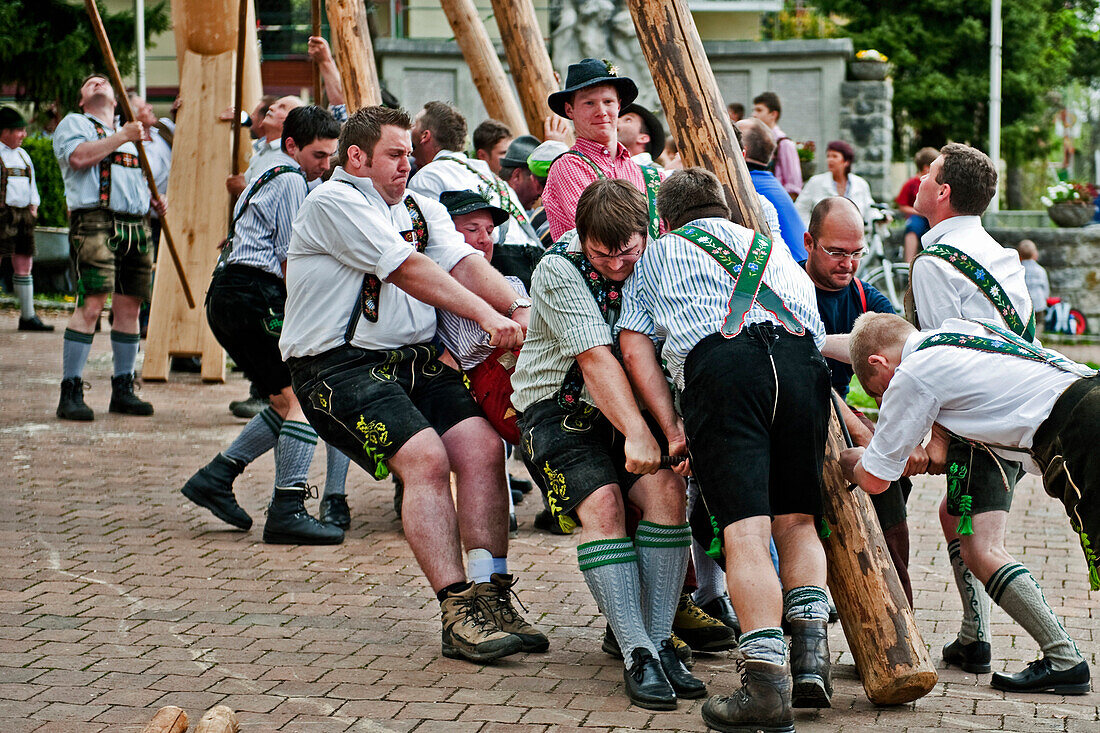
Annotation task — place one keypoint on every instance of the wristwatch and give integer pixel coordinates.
(517, 304)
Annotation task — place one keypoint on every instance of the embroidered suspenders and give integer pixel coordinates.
(367, 304)
(5, 174)
(266, 176)
(990, 288)
(748, 276)
(652, 178)
(1012, 345)
(126, 160)
(608, 296)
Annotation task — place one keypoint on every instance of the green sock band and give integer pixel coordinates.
(78, 336)
(605, 552)
(661, 535)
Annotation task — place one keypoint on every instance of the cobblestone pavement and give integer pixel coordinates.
(117, 596)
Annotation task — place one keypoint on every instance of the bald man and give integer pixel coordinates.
(266, 148)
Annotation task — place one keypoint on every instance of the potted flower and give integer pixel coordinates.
(870, 65)
(806, 152)
(1069, 204)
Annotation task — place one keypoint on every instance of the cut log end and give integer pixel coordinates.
(902, 690)
(218, 719)
(169, 719)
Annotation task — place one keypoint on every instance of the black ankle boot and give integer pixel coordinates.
(72, 406)
(212, 488)
(811, 669)
(288, 522)
(682, 681)
(124, 400)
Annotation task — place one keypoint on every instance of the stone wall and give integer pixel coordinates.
(866, 122)
(1072, 261)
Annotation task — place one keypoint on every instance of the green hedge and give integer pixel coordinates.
(52, 211)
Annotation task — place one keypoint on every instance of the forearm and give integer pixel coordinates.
(644, 371)
(868, 481)
(424, 280)
(607, 383)
(478, 276)
(334, 86)
(836, 347)
(91, 152)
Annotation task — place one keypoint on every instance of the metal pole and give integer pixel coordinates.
(995, 91)
(139, 44)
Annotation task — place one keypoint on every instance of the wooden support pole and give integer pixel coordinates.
(891, 657)
(348, 24)
(218, 719)
(528, 59)
(169, 719)
(238, 92)
(485, 66)
(143, 159)
(693, 106)
(315, 17)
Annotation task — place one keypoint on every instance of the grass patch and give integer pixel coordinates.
(858, 398)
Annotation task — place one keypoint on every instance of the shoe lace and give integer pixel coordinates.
(477, 612)
(693, 611)
(503, 602)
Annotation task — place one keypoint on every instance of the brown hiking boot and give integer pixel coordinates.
(762, 704)
(810, 666)
(699, 630)
(469, 631)
(497, 594)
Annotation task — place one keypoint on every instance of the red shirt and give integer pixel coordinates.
(570, 175)
(908, 193)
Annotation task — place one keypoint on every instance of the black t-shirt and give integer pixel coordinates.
(839, 309)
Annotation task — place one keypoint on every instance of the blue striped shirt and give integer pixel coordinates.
(680, 291)
(262, 235)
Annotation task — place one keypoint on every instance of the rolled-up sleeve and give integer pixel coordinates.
(567, 306)
(908, 410)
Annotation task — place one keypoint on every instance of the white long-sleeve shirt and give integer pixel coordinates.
(21, 190)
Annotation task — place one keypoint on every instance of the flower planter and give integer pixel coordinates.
(809, 169)
(1068, 214)
(869, 70)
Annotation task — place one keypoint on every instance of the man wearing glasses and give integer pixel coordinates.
(834, 248)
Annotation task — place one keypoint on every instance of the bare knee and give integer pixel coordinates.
(422, 463)
(602, 513)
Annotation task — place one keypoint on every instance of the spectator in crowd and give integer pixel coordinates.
(736, 111)
(491, 141)
(915, 224)
(787, 168)
(1038, 285)
(758, 145)
(642, 134)
(837, 181)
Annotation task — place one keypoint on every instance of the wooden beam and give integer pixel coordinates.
(693, 106)
(485, 66)
(354, 53)
(315, 18)
(169, 719)
(528, 59)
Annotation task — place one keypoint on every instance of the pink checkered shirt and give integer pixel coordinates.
(570, 175)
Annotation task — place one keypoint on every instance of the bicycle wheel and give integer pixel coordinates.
(893, 286)
(1080, 324)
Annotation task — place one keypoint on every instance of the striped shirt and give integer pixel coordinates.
(570, 175)
(261, 235)
(681, 291)
(467, 341)
(565, 321)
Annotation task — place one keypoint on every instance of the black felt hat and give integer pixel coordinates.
(518, 152)
(653, 126)
(590, 72)
(467, 202)
(10, 119)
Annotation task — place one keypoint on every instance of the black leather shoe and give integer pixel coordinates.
(71, 406)
(811, 670)
(288, 522)
(646, 685)
(334, 510)
(682, 681)
(34, 323)
(973, 657)
(547, 522)
(123, 399)
(721, 609)
(1039, 677)
(521, 485)
(212, 488)
(610, 646)
(249, 408)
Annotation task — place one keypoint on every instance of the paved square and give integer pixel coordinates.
(118, 596)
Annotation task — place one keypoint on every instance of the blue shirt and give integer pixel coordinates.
(839, 309)
(790, 223)
(129, 192)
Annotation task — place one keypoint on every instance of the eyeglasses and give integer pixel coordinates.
(629, 255)
(839, 254)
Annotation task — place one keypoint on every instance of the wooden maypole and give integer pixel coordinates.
(528, 59)
(351, 44)
(485, 66)
(890, 655)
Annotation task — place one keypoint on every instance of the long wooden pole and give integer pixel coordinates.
(315, 13)
(528, 60)
(693, 106)
(485, 66)
(238, 89)
(349, 25)
(128, 113)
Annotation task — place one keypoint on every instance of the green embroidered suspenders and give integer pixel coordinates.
(652, 178)
(748, 276)
(126, 160)
(985, 282)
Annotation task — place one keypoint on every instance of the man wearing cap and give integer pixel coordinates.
(539, 162)
(438, 138)
(109, 206)
(641, 133)
(519, 260)
(18, 211)
(593, 96)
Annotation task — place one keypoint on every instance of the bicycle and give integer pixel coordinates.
(877, 268)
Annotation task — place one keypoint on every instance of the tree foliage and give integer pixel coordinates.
(47, 46)
(940, 55)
